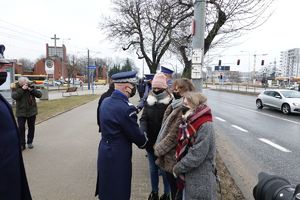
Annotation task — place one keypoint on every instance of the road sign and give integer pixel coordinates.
(91, 67)
(196, 71)
(197, 56)
(222, 68)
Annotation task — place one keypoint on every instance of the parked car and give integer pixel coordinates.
(285, 100)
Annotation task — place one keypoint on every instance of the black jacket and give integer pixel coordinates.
(13, 181)
(152, 116)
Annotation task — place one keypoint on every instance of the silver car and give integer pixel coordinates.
(285, 100)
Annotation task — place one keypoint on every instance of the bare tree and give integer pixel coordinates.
(225, 21)
(146, 26)
(151, 27)
(27, 64)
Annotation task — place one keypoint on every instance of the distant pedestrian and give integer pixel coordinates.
(158, 100)
(165, 146)
(103, 96)
(13, 181)
(119, 129)
(26, 109)
(196, 149)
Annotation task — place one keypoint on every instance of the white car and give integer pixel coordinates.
(288, 101)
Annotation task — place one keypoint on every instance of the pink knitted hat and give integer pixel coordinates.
(159, 81)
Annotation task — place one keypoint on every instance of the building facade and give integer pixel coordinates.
(290, 62)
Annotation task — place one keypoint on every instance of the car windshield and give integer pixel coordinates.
(290, 94)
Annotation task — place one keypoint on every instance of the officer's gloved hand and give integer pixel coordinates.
(140, 106)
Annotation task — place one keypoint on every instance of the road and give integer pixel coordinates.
(251, 140)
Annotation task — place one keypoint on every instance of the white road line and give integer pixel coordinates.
(222, 120)
(274, 145)
(239, 128)
(287, 120)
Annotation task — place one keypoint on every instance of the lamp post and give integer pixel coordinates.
(63, 57)
(248, 64)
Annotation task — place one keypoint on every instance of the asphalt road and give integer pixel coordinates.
(252, 140)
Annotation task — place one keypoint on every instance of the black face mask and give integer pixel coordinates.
(157, 92)
(3, 76)
(133, 91)
(176, 95)
(184, 109)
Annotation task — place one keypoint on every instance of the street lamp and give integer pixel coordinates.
(63, 57)
(248, 63)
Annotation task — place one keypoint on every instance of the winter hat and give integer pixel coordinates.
(159, 81)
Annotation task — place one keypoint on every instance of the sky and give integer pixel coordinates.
(26, 26)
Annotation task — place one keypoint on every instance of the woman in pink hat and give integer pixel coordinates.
(158, 100)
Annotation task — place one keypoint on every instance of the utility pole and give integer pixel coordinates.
(198, 43)
(88, 69)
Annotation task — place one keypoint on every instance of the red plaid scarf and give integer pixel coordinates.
(187, 134)
(188, 129)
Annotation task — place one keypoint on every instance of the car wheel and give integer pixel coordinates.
(259, 104)
(286, 109)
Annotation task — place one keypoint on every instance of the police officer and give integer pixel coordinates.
(148, 86)
(168, 73)
(118, 121)
(13, 181)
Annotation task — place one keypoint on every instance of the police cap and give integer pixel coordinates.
(166, 70)
(149, 77)
(125, 77)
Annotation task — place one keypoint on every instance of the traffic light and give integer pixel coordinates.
(238, 62)
(262, 62)
(220, 62)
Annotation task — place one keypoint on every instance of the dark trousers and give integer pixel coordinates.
(31, 127)
(173, 186)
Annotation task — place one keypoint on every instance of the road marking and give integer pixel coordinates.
(222, 120)
(239, 128)
(274, 145)
(287, 120)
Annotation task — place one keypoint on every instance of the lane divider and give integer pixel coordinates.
(239, 128)
(275, 145)
(220, 119)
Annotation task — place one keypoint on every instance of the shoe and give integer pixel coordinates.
(165, 197)
(153, 196)
(30, 146)
(23, 147)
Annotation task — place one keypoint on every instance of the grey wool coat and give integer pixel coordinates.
(165, 148)
(198, 166)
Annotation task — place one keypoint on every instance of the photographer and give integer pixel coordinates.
(26, 109)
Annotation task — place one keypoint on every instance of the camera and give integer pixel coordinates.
(31, 85)
(273, 187)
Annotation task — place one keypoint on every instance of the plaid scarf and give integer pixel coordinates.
(187, 134)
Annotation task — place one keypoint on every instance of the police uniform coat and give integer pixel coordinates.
(13, 181)
(119, 128)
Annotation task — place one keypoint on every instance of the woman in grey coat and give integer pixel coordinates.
(196, 150)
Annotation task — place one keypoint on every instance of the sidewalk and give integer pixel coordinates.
(62, 165)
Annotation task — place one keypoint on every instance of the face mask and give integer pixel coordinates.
(184, 109)
(176, 95)
(3, 76)
(157, 92)
(133, 91)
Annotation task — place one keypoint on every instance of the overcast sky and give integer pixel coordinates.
(26, 26)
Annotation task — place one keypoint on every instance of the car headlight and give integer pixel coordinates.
(296, 104)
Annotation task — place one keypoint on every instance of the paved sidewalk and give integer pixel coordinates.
(62, 165)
